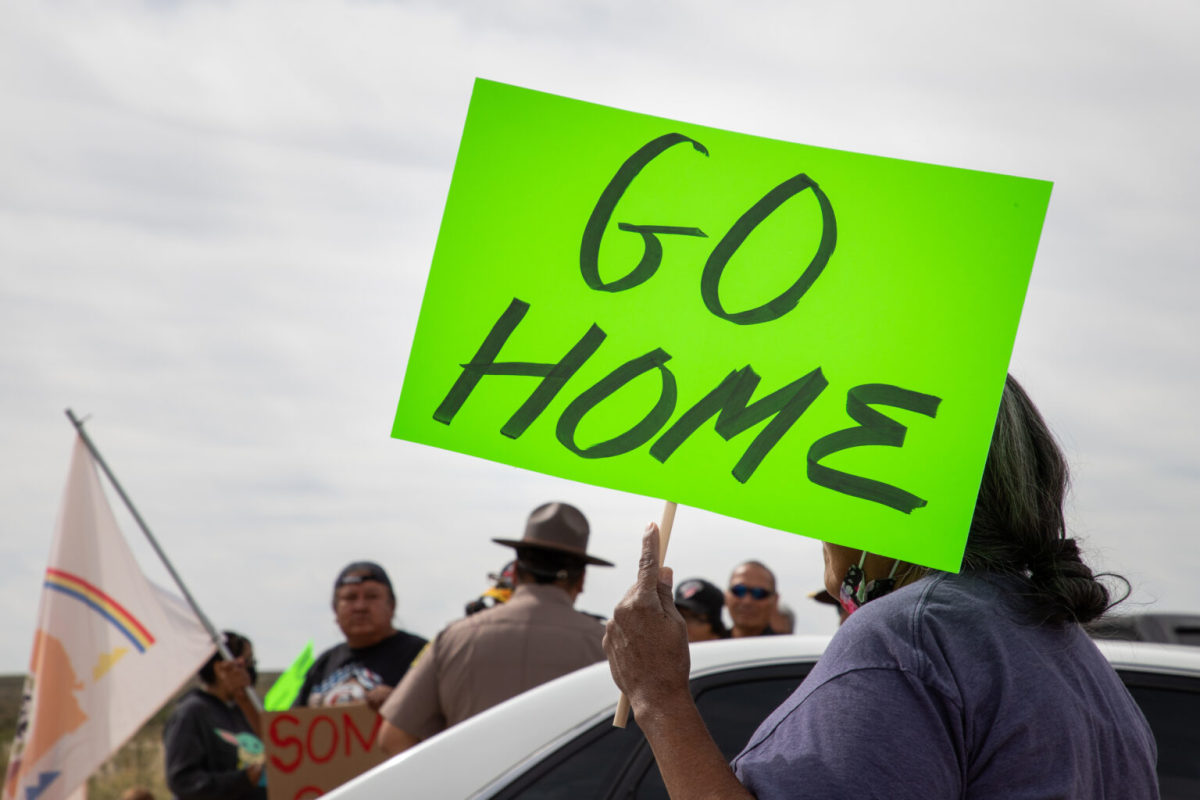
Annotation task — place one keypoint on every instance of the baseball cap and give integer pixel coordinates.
(360, 571)
(703, 598)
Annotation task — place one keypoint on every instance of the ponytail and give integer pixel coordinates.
(1019, 527)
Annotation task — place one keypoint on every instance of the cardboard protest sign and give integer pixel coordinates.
(311, 751)
(805, 338)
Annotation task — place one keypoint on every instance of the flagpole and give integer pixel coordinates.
(217, 638)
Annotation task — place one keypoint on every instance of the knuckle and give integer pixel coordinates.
(620, 615)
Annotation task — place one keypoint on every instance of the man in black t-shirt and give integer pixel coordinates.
(374, 657)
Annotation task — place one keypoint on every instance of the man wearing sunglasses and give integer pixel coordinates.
(751, 599)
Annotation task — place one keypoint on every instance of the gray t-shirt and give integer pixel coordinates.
(947, 688)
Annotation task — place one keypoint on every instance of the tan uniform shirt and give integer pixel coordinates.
(491, 656)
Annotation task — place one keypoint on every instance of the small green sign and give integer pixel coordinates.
(805, 338)
(287, 686)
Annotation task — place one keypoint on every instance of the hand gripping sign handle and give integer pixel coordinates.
(664, 537)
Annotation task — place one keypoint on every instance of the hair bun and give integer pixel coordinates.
(1067, 584)
(1066, 549)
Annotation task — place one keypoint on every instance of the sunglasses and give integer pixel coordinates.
(757, 592)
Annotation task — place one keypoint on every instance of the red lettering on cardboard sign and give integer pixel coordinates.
(351, 728)
(333, 743)
(290, 741)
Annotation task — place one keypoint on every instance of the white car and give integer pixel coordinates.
(557, 741)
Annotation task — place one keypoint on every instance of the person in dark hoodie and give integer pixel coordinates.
(212, 748)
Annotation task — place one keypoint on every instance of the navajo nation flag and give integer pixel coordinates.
(109, 650)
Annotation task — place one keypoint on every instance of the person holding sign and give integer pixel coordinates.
(375, 655)
(500, 652)
(981, 684)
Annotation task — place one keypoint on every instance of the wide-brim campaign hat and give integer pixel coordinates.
(559, 527)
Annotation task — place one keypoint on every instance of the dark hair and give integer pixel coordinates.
(237, 645)
(1019, 527)
(547, 566)
(760, 565)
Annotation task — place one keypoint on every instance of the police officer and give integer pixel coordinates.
(500, 652)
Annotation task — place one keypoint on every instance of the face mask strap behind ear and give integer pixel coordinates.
(854, 592)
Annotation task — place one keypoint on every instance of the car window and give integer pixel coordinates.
(1171, 704)
(586, 767)
(732, 712)
(607, 762)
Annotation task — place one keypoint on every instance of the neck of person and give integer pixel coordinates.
(359, 642)
(572, 588)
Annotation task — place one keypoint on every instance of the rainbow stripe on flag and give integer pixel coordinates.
(94, 598)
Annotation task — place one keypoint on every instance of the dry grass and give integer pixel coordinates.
(138, 763)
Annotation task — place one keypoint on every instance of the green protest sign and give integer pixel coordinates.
(287, 686)
(806, 338)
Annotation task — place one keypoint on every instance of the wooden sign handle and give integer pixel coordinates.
(664, 538)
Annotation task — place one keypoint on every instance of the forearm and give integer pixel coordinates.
(692, 766)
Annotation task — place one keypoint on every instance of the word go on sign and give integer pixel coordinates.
(608, 285)
(728, 402)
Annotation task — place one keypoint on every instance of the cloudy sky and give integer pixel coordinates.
(216, 222)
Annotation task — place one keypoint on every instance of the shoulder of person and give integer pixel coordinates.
(923, 626)
(411, 639)
(488, 622)
(192, 697)
(329, 655)
(905, 603)
(465, 625)
(193, 710)
(945, 603)
(400, 644)
(885, 631)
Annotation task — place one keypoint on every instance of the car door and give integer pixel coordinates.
(1171, 704)
(610, 763)
(607, 763)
